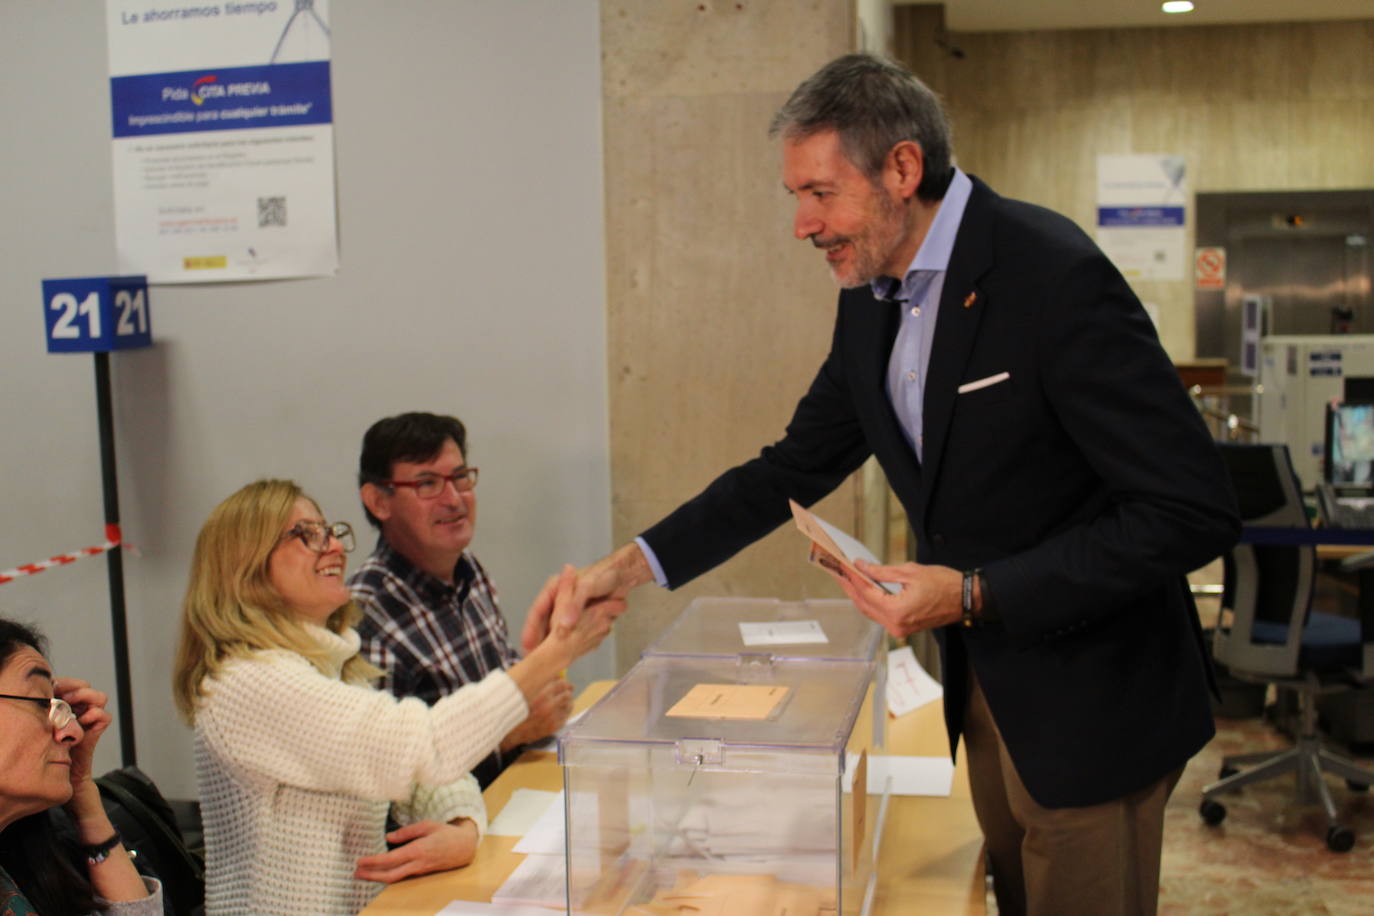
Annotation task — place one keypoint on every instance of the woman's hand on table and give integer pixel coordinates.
(426, 846)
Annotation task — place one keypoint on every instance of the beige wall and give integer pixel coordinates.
(1256, 107)
(717, 318)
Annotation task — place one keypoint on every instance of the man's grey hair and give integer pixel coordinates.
(873, 104)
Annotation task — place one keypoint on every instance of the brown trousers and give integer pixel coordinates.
(1102, 859)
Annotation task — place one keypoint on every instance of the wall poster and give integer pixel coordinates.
(1141, 210)
(223, 139)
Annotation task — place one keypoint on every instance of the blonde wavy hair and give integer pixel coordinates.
(231, 608)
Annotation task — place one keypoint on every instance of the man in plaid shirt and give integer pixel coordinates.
(431, 619)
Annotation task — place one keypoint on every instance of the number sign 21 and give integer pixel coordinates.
(97, 314)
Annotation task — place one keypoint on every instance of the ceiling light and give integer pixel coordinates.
(1177, 6)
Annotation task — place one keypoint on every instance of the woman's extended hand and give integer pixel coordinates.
(591, 616)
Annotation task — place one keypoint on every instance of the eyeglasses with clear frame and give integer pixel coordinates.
(431, 485)
(316, 535)
(59, 711)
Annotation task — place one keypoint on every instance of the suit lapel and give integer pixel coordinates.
(956, 328)
(875, 326)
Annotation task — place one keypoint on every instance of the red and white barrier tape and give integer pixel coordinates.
(112, 540)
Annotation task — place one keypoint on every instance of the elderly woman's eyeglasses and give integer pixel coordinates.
(316, 535)
(59, 711)
(431, 485)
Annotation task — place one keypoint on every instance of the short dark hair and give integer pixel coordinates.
(873, 104)
(412, 436)
(15, 636)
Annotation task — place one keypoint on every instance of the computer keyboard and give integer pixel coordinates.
(1352, 512)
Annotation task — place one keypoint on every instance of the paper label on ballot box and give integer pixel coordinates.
(729, 701)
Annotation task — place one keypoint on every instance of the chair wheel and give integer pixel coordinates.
(1226, 771)
(1354, 786)
(1339, 839)
(1214, 813)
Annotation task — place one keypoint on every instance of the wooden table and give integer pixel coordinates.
(930, 861)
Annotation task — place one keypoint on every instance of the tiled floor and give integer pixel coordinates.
(1269, 857)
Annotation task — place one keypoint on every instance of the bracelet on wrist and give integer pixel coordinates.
(968, 616)
(99, 852)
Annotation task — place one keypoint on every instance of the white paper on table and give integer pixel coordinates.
(539, 881)
(908, 684)
(473, 908)
(522, 812)
(909, 775)
(546, 835)
(782, 633)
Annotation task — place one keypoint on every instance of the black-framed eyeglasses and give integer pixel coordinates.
(316, 535)
(59, 711)
(429, 486)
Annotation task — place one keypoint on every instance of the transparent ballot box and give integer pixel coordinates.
(720, 785)
(822, 629)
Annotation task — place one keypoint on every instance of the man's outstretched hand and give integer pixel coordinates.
(601, 588)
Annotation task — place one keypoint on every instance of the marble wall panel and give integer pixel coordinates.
(717, 317)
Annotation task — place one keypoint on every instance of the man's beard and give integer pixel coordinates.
(871, 249)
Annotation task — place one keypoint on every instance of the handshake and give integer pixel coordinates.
(576, 604)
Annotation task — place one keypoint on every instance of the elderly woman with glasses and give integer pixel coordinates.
(298, 758)
(49, 727)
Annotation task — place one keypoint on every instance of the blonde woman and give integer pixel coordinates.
(298, 758)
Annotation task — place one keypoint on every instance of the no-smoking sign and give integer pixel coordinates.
(1209, 268)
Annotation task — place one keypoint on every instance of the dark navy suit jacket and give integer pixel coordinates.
(1084, 485)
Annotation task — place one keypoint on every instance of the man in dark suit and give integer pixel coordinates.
(1059, 482)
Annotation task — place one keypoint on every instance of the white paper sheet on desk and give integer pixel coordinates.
(908, 685)
(473, 908)
(539, 881)
(910, 775)
(523, 811)
(546, 835)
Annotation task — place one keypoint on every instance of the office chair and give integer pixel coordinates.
(1275, 637)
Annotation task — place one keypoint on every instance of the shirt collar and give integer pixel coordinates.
(421, 581)
(938, 245)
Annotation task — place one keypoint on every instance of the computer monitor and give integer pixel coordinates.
(1350, 443)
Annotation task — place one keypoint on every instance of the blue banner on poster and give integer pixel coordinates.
(1139, 216)
(225, 98)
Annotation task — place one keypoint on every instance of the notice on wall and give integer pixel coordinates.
(1141, 211)
(223, 139)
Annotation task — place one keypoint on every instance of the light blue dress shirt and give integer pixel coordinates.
(918, 296)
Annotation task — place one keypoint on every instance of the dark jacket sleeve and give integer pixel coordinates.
(822, 446)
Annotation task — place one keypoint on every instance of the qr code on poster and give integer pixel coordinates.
(271, 211)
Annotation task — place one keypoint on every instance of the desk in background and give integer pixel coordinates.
(930, 862)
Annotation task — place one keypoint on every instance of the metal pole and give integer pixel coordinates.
(114, 561)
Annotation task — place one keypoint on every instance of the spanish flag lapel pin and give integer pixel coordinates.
(970, 299)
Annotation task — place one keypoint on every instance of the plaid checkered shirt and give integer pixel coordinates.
(428, 637)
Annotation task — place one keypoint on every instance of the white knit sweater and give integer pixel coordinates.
(297, 770)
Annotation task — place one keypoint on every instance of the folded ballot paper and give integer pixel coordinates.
(835, 550)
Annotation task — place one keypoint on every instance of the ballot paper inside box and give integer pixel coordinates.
(769, 628)
(721, 777)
